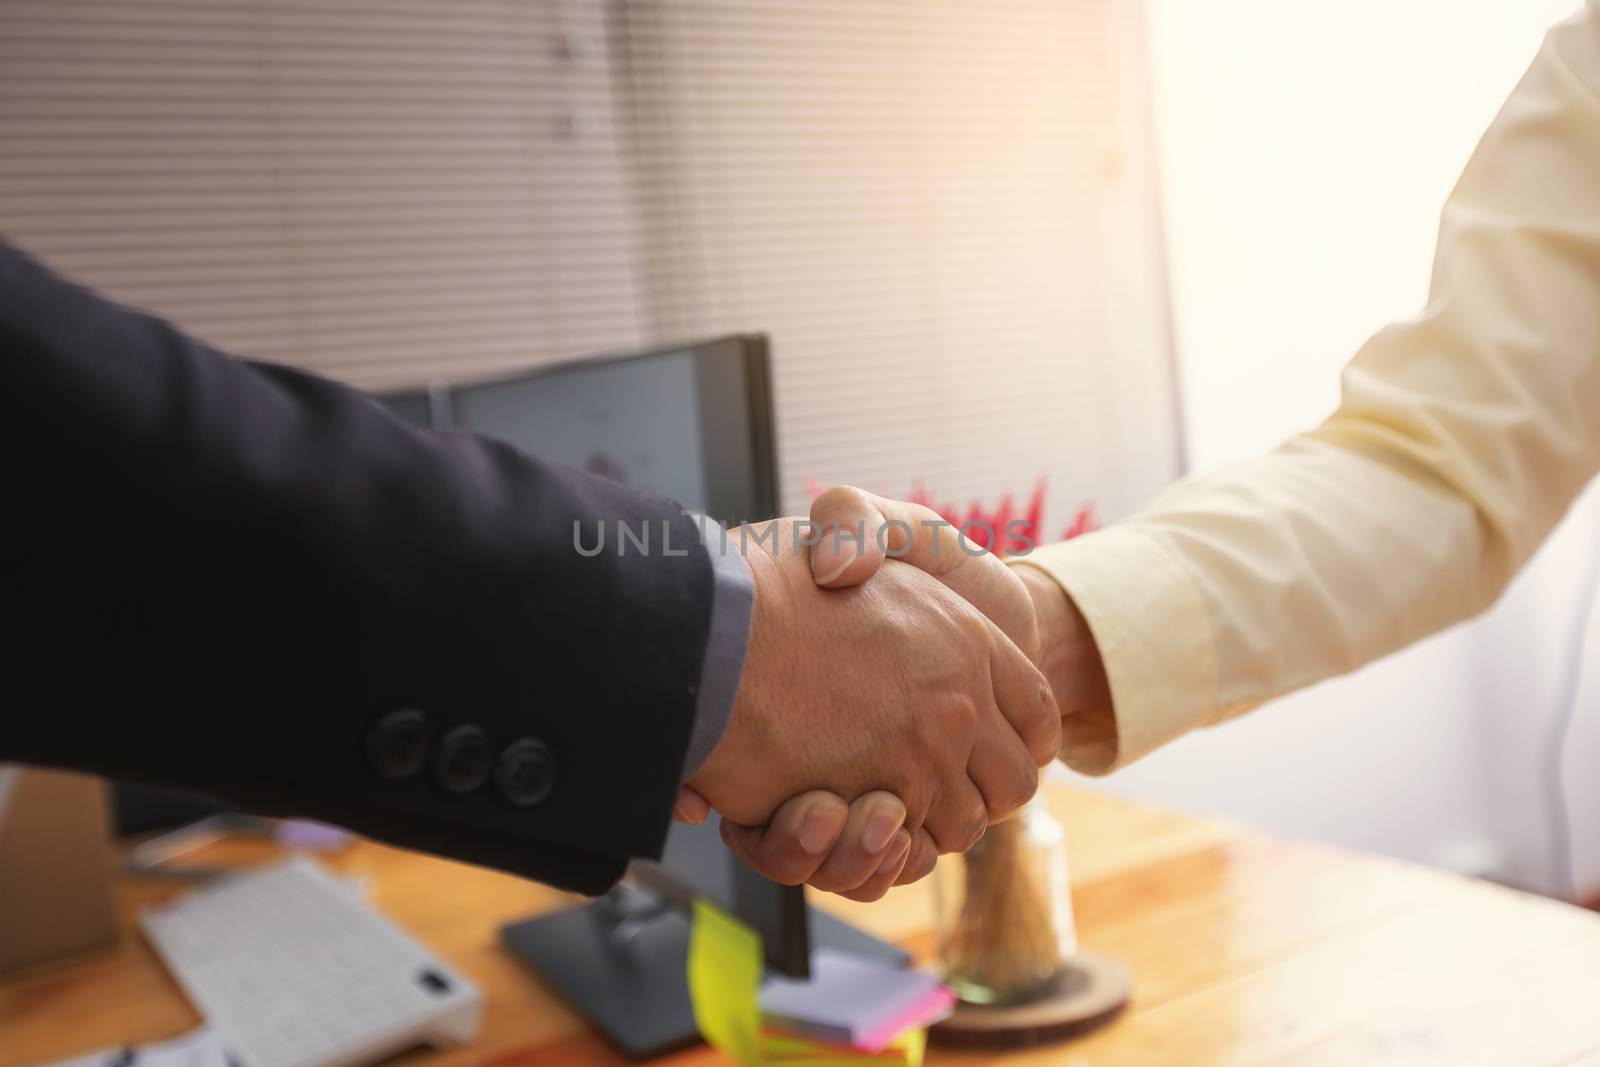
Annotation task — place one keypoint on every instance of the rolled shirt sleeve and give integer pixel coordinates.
(1461, 439)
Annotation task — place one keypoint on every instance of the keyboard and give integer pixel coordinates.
(293, 969)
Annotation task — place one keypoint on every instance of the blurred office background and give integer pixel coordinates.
(1091, 241)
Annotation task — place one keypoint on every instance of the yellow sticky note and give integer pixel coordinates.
(914, 1044)
(724, 979)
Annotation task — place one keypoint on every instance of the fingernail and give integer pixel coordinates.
(683, 816)
(820, 828)
(881, 825)
(844, 554)
(897, 851)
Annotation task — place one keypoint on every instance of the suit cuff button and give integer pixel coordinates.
(397, 747)
(463, 759)
(525, 773)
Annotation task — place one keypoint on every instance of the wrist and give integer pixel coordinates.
(727, 641)
(722, 765)
(1069, 657)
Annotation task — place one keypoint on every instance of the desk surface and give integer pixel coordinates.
(1245, 950)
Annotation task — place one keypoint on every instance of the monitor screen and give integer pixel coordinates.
(690, 423)
(637, 421)
(412, 407)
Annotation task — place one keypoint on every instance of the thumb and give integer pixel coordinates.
(849, 549)
(871, 527)
(690, 807)
(796, 843)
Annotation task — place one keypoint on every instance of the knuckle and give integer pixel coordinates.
(869, 893)
(1006, 788)
(776, 856)
(941, 537)
(920, 865)
(767, 861)
(1024, 783)
(832, 880)
(784, 868)
(838, 499)
(1042, 726)
(918, 803)
(823, 883)
(963, 827)
(960, 717)
(974, 822)
(923, 517)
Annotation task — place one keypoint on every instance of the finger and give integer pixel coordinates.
(690, 807)
(791, 847)
(1002, 768)
(883, 879)
(1024, 697)
(958, 817)
(874, 819)
(848, 550)
(851, 520)
(857, 529)
(920, 860)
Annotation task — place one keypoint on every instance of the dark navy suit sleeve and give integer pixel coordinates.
(251, 582)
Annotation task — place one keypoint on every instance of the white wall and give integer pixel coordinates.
(1306, 150)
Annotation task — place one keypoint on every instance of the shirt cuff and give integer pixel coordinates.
(732, 600)
(1155, 638)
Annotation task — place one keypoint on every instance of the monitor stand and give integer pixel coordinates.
(621, 962)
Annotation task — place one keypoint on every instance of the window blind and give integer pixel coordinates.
(941, 211)
(382, 190)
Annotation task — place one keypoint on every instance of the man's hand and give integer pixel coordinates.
(859, 850)
(1029, 606)
(898, 686)
(867, 851)
(858, 531)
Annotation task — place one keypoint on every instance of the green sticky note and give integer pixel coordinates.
(724, 979)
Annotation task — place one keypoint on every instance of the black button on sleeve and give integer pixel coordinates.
(525, 773)
(397, 746)
(463, 760)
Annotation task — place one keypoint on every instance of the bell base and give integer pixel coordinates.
(1091, 991)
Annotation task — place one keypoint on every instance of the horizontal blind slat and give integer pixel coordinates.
(937, 202)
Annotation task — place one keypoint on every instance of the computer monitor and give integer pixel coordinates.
(693, 423)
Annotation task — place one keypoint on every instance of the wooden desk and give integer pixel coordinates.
(1245, 951)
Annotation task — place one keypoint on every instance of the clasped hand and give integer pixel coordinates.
(888, 711)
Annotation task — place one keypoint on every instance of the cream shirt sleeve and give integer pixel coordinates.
(1460, 440)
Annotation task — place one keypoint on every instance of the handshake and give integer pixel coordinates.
(900, 692)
